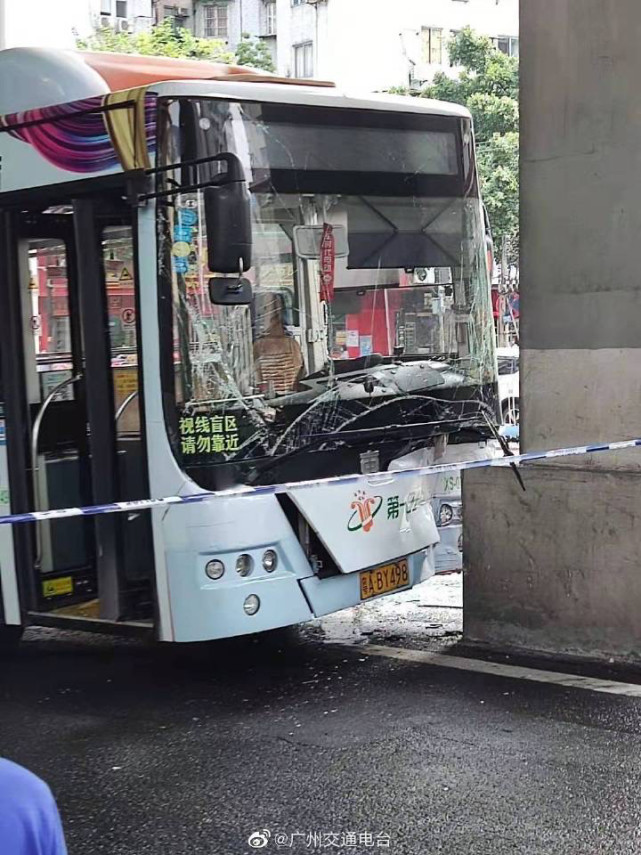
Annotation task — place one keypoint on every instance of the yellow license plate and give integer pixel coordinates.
(382, 580)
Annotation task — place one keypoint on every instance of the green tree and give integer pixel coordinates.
(498, 163)
(165, 39)
(488, 85)
(254, 53)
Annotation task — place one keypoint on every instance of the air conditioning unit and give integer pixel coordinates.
(105, 21)
(122, 25)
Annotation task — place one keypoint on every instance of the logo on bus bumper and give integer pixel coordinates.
(364, 509)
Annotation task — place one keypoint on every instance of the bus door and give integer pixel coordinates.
(64, 551)
(74, 313)
(122, 304)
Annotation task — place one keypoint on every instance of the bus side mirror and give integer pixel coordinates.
(230, 291)
(228, 218)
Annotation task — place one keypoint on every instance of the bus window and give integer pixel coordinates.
(48, 309)
(118, 260)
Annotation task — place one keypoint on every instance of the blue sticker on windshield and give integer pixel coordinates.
(187, 217)
(183, 233)
(181, 265)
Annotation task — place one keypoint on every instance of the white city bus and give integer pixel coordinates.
(213, 279)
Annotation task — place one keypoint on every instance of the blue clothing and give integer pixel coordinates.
(29, 819)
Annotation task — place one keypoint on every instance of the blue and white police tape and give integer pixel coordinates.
(273, 489)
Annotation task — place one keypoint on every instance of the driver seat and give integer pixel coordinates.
(277, 356)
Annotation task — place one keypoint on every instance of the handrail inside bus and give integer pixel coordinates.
(35, 436)
(121, 409)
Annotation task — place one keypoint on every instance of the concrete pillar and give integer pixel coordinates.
(542, 564)
(581, 221)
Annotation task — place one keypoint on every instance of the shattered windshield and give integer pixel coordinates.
(369, 329)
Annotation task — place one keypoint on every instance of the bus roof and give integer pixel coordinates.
(330, 96)
(33, 78)
(128, 71)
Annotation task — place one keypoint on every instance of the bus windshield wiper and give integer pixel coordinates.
(505, 448)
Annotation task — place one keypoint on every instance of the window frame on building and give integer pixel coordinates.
(172, 13)
(269, 17)
(432, 44)
(216, 30)
(510, 42)
(306, 50)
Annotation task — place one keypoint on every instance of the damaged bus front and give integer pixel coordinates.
(324, 310)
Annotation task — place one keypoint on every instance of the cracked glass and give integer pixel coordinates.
(369, 332)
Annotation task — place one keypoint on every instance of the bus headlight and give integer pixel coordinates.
(244, 564)
(270, 560)
(214, 569)
(445, 514)
(251, 605)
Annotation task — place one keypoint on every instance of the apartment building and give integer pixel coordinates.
(225, 20)
(46, 23)
(362, 44)
(367, 44)
(372, 44)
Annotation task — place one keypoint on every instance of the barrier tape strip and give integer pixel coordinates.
(274, 489)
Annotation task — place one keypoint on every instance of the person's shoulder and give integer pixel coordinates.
(17, 779)
(28, 813)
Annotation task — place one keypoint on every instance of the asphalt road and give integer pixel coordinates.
(190, 750)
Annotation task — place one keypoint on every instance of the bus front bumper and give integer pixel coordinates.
(216, 611)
